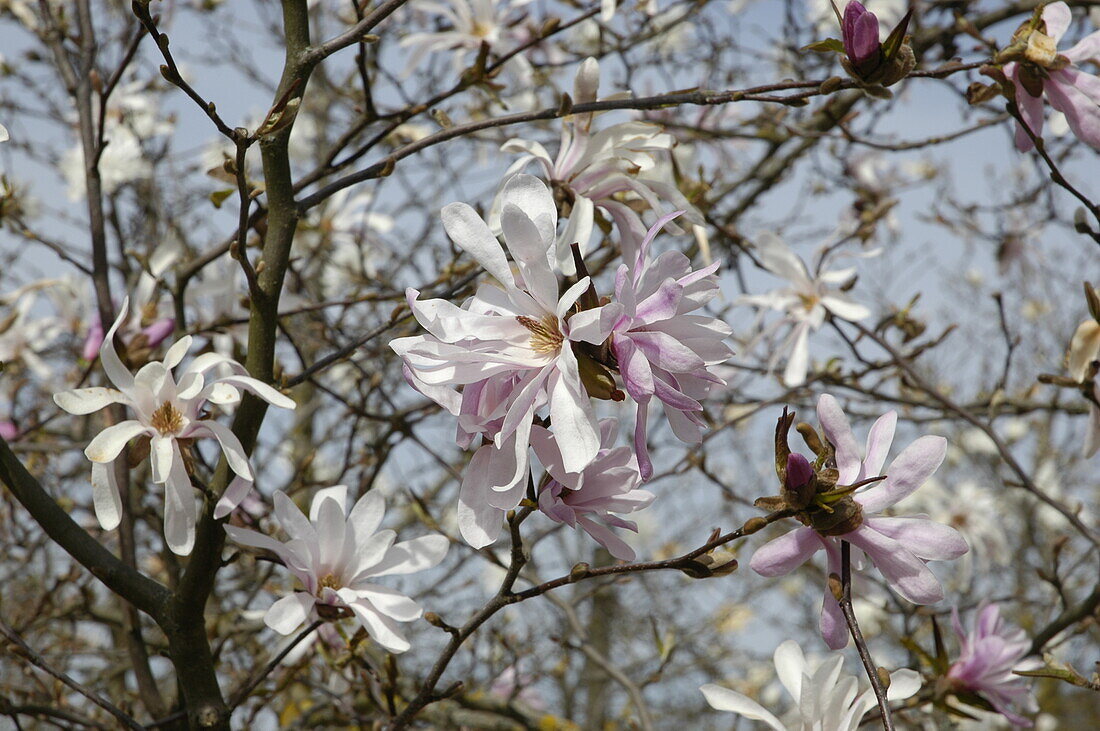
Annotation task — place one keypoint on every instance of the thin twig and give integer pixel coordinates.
(857, 635)
(241, 695)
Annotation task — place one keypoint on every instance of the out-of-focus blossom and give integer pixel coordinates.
(472, 22)
(23, 333)
(1084, 349)
(608, 485)
(346, 238)
(804, 304)
(825, 697)
(990, 653)
(1038, 70)
(8, 430)
(511, 685)
(899, 547)
(616, 170)
(147, 327)
(663, 349)
(336, 555)
(4, 136)
(518, 326)
(170, 411)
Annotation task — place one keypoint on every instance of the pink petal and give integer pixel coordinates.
(784, 554)
(905, 573)
(906, 473)
(835, 424)
(925, 539)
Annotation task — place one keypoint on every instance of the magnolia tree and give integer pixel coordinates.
(505, 364)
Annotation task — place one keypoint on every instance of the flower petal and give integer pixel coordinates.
(724, 699)
(111, 441)
(287, 614)
(784, 554)
(906, 473)
(82, 401)
(105, 495)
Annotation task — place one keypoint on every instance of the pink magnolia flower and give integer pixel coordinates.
(169, 410)
(617, 169)
(1045, 72)
(336, 556)
(518, 330)
(899, 547)
(990, 653)
(608, 485)
(859, 30)
(662, 349)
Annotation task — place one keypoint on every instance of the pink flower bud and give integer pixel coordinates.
(158, 331)
(799, 471)
(859, 30)
(93, 340)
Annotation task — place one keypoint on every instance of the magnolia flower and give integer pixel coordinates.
(336, 555)
(824, 695)
(345, 236)
(663, 350)
(146, 329)
(517, 327)
(472, 22)
(1084, 348)
(23, 333)
(899, 547)
(170, 411)
(859, 31)
(804, 304)
(608, 485)
(4, 136)
(990, 653)
(616, 169)
(1042, 70)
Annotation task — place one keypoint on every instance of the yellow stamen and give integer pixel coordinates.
(545, 335)
(167, 419)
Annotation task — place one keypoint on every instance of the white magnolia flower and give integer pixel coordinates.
(472, 22)
(4, 136)
(518, 331)
(23, 335)
(336, 555)
(346, 237)
(825, 697)
(804, 303)
(613, 169)
(169, 410)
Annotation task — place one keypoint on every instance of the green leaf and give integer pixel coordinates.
(218, 196)
(896, 37)
(829, 45)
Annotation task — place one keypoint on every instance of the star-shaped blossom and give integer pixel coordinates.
(899, 546)
(472, 23)
(337, 556)
(1043, 71)
(990, 654)
(517, 327)
(804, 303)
(170, 410)
(590, 499)
(825, 697)
(663, 349)
(617, 169)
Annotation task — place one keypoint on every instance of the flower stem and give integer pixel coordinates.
(857, 635)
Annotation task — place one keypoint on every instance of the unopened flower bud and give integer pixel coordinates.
(859, 30)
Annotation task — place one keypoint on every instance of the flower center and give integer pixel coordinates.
(167, 419)
(329, 581)
(545, 335)
(809, 301)
(1041, 49)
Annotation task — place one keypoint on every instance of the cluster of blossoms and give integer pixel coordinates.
(521, 346)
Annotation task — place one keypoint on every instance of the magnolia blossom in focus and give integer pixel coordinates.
(825, 697)
(899, 547)
(805, 303)
(170, 411)
(662, 349)
(1043, 71)
(336, 555)
(990, 653)
(608, 485)
(616, 169)
(517, 327)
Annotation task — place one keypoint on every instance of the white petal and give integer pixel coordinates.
(108, 443)
(112, 364)
(724, 699)
(86, 400)
(408, 557)
(473, 236)
(285, 615)
(383, 629)
(105, 496)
